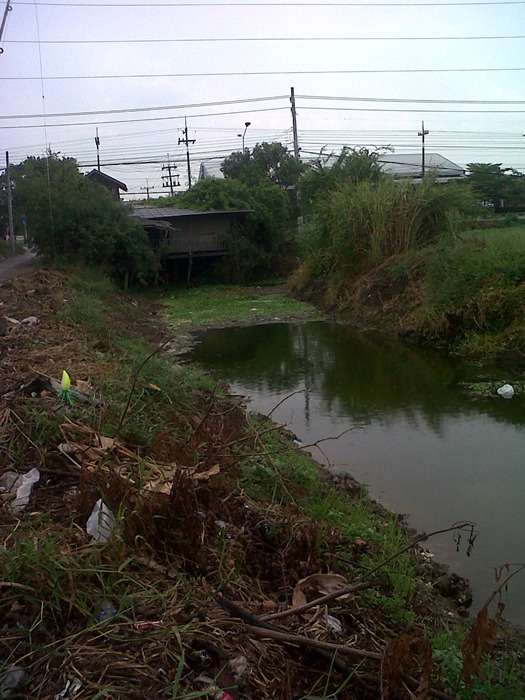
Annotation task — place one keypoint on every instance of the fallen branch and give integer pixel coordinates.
(255, 622)
(301, 641)
(423, 537)
(368, 584)
(322, 600)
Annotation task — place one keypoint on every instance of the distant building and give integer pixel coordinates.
(410, 166)
(114, 186)
(211, 168)
(183, 234)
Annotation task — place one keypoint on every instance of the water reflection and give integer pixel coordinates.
(426, 447)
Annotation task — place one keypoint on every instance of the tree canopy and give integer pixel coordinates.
(267, 161)
(327, 175)
(502, 187)
(70, 216)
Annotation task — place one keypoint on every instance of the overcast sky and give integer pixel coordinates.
(364, 73)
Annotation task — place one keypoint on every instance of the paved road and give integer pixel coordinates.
(17, 266)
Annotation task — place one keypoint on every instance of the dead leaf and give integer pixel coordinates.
(479, 642)
(408, 655)
(203, 476)
(322, 584)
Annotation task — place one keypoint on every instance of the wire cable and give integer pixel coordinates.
(209, 40)
(143, 76)
(174, 5)
(147, 109)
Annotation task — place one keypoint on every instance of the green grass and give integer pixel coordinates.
(206, 306)
(458, 273)
(279, 472)
(475, 294)
(504, 676)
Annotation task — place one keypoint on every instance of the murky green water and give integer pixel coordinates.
(424, 446)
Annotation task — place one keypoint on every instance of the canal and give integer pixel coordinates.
(423, 445)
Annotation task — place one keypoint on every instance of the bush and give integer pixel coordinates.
(361, 225)
(457, 273)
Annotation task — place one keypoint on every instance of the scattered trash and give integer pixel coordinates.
(297, 442)
(106, 610)
(29, 321)
(65, 389)
(211, 689)
(101, 522)
(238, 666)
(11, 678)
(145, 625)
(17, 488)
(73, 686)
(333, 624)
(506, 391)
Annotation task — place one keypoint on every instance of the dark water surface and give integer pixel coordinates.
(423, 446)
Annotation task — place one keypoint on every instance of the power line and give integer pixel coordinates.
(276, 4)
(394, 100)
(143, 76)
(145, 109)
(147, 119)
(209, 40)
(412, 100)
(389, 109)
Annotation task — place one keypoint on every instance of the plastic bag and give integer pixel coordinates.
(101, 522)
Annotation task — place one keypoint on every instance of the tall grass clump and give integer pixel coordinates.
(458, 273)
(361, 225)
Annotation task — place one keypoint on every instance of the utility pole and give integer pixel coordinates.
(8, 8)
(422, 133)
(168, 179)
(146, 188)
(97, 144)
(296, 149)
(9, 201)
(187, 141)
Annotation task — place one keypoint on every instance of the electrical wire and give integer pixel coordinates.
(476, 3)
(146, 109)
(410, 100)
(146, 119)
(209, 40)
(143, 76)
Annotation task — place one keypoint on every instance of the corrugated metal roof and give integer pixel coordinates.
(147, 212)
(409, 165)
(211, 168)
(102, 177)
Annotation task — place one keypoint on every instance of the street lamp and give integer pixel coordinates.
(246, 125)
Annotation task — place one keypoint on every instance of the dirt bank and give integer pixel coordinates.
(196, 591)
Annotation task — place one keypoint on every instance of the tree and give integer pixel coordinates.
(352, 165)
(267, 161)
(502, 187)
(70, 216)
